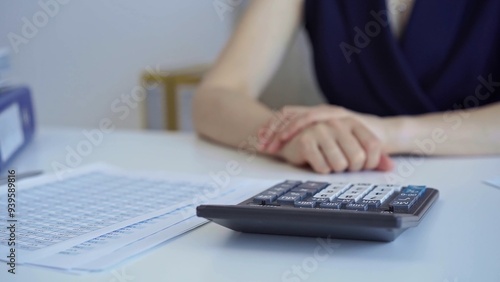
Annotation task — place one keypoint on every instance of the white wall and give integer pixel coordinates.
(294, 83)
(88, 53)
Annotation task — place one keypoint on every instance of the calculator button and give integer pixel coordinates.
(383, 190)
(356, 192)
(291, 198)
(335, 205)
(286, 185)
(357, 207)
(322, 195)
(344, 202)
(320, 200)
(265, 198)
(394, 187)
(309, 192)
(414, 189)
(313, 185)
(333, 190)
(409, 195)
(402, 203)
(278, 190)
(372, 204)
(305, 204)
(377, 196)
(294, 182)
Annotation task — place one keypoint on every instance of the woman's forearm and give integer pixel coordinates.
(227, 117)
(462, 132)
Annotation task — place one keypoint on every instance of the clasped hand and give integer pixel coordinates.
(328, 138)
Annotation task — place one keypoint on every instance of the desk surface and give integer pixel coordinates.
(457, 241)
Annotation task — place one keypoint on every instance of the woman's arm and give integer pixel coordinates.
(461, 132)
(225, 107)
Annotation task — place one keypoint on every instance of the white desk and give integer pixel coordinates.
(457, 241)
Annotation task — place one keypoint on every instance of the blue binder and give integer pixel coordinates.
(17, 123)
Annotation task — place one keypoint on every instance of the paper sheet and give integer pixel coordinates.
(99, 216)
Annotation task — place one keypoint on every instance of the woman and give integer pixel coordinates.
(400, 76)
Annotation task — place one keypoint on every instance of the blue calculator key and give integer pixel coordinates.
(414, 189)
(334, 205)
(416, 195)
(357, 207)
(265, 198)
(305, 204)
(402, 204)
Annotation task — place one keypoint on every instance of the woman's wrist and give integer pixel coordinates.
(400, 133)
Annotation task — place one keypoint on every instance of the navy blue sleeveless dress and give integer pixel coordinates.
(447, 58)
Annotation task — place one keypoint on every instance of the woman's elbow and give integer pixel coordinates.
(204, 106)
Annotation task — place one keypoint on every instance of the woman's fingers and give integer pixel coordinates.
(348, 143)
(267, 132)
(331, 151)
(337, 144)
(314, 115)
(385, 163)
(310, 151)
(272, 143)
(370, 143)
(294, 119)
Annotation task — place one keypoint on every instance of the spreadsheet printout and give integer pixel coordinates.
(98, 210)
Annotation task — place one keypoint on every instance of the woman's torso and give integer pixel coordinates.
(446, 57)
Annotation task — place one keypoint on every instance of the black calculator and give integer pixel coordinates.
(361, 211)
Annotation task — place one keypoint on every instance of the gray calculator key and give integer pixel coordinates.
(305, 204)
(286, 185)
(334, 205)
(320, 200)
(344, 202)
(291, 198)
(357, 207)
(295, 182)
(313, 185)
(402, 203)
(308, 191)
(279, 190)
(265, 198)
(372, 204)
